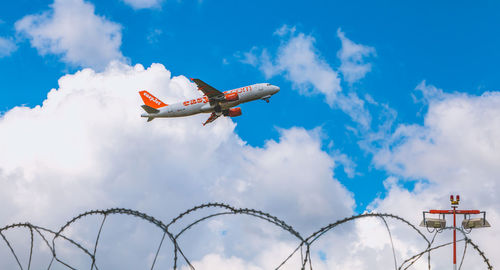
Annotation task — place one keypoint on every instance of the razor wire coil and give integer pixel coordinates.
(304, 242)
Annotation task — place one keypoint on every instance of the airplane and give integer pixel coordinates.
(214, 101)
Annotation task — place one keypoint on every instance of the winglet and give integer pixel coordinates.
(151, 100)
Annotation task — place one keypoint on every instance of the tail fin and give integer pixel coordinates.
(151, 101)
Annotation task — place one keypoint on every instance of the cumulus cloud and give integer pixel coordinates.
(7, 47)
(72, 30)
(456, 151)
(352, 57)
(86, 147)
(143, 4)
(459, 120)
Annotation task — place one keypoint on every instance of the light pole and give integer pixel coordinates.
(440, 222)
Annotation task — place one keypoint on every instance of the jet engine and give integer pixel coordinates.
(232, 96)
(233, 112)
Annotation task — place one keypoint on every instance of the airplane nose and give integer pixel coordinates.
(276, 89)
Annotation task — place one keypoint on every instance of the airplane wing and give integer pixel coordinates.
(212, 118)
(208, 90)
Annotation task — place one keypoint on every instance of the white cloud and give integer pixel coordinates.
(456, 151)
(352, 55)
(271, 255)
(348, 165)
(86, 147)
(460, 126)
(429, 93)
(302, 64)
(214, 261)
(285, 30)
(269, 169)
(7, 47)
(72, 30)
(249, 57)
(142, 4)
(305, 67)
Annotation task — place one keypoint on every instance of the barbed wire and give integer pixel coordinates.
(304, 242)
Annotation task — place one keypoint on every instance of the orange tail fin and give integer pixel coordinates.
(151, 100)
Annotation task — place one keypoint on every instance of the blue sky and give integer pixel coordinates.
(420, 57)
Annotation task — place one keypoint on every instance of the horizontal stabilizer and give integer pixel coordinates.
(150, 109)
(150, 119)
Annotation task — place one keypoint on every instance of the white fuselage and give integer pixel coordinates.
(202, 104)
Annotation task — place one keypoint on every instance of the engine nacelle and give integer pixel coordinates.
(233, 112)
(232, 96)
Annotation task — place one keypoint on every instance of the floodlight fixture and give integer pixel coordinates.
(436, 223)
(474, 223)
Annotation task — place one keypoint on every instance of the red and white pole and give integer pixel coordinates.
(454, 205)
(454, 239)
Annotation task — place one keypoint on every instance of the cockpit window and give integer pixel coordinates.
(268, 84)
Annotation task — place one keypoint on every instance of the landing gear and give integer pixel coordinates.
(218, 111)
(266, 98)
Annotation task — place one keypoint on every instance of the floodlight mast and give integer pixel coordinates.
(454, 204)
